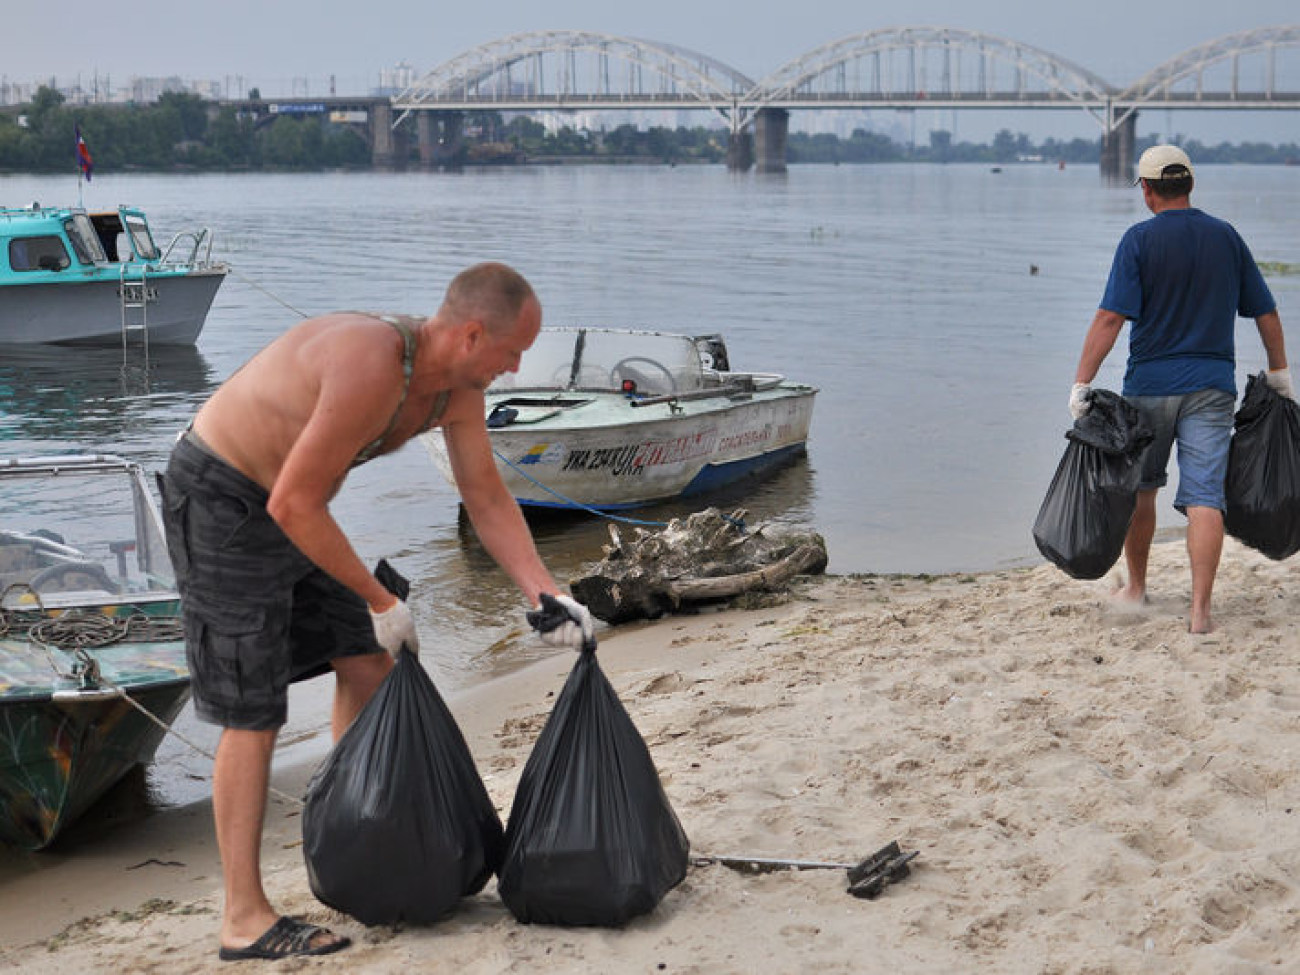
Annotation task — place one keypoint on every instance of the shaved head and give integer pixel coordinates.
(491, 293)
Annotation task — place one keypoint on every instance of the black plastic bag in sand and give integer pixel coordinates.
(1081, 525)
(1263, 484)
(591, 838)
(397, 824)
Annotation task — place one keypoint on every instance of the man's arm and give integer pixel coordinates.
(494, 513)
(1105, 329)
(358, 391)
(1270, 333)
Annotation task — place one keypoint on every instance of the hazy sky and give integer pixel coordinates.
(272, 42)
(1118, 39)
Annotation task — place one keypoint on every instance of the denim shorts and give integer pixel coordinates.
(258, 613)
(1201, 424)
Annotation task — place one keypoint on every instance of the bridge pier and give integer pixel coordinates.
(771, 129)
(440, 139)
(740, 151)
(382, 155)
(1117, 151)
(425, 138)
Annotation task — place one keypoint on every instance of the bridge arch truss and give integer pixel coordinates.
(1240, 69)
(941, 66)
(892, 68)
(574, 69)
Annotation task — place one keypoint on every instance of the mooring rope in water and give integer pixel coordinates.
(569, 501)
(737, 522)
(169, 729)
(270, 294)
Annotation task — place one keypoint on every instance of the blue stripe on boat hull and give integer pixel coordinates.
(712, 477)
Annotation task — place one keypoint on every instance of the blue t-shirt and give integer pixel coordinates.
(1183, 277)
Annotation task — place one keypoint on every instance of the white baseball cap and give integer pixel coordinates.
(1163, 162)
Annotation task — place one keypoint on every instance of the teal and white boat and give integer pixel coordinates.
(618, 418)
(90, 637)
(78, 277)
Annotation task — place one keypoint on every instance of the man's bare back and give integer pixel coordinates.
(349, 363)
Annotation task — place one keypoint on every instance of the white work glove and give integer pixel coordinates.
(563, 622)
(395, 628)
(1279, 380)
(1080, 399)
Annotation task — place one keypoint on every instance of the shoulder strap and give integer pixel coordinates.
(439, 408)
(408, 366)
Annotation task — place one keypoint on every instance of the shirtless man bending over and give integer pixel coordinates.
(273, 591)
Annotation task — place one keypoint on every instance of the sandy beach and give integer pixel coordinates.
(1090, 791)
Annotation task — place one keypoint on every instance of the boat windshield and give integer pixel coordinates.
(84, 239)
(141, 239)
(590, 358)
(77, 535)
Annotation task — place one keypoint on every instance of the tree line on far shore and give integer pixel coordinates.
(182, 131)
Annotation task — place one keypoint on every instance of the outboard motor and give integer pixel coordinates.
(713, 352)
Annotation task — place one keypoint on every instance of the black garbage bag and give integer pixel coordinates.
(591, 838)
(1081, 525)
(1263, 484)
(398, 825)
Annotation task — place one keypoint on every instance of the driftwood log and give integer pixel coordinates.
(705, 556)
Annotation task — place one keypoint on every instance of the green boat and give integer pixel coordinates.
(92, 657)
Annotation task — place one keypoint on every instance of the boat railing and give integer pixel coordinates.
(731, 389)
(733, 384)
(196, 240)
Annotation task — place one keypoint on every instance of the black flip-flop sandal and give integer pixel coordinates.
(286, 938)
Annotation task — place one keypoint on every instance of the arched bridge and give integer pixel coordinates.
(901, 68)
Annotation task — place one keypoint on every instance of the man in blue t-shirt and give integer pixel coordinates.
(1182, 278)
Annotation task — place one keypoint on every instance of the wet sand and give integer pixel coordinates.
(1089, 790)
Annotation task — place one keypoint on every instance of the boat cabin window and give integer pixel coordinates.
(124, 236)
(141, 239)
(84, 241)
(44, 253)
(108, 228)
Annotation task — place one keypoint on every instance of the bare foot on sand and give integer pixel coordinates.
(1127, 599)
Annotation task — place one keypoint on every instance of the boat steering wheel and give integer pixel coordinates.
(68, 576)
(616, 377)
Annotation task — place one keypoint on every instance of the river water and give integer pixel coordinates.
(939, 309)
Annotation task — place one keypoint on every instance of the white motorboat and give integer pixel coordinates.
(607, 419)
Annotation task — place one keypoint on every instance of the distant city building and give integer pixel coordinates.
(16, 93)
(395, 80)
(151, 89)
(210, 90)
(100, 91)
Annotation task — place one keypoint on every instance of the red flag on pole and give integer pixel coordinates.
(83, 155)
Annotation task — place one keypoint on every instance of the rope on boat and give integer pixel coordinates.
(78, 631)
